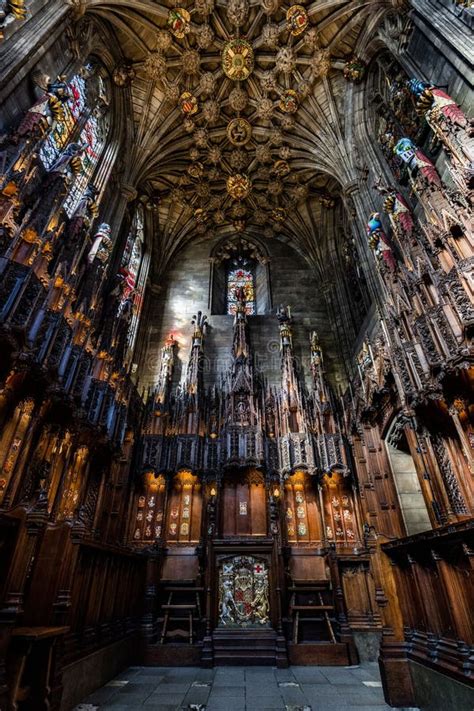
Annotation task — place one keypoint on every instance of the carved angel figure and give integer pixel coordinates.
(436, 102)
(396, 208)
(11, 10)
(416, 161)
(41, 118)
(379, 241)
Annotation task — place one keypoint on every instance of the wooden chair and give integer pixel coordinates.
(176, 609)
(180, 585)
(307, 604)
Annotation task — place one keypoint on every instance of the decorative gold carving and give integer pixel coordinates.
(188, 103)
(239, 131)
(289, 101)
(179, 21)
(237, 59)
(238, 186)
(296, 19)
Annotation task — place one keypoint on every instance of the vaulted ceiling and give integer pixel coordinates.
(238, 110)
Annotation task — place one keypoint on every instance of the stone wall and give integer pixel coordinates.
(186, 290)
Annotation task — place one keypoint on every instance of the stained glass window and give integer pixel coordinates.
(134, 269)
(93, 137)
(84, 108)
(240, 277)
(73, 109)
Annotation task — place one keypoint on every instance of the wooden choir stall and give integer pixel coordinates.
(247, 498)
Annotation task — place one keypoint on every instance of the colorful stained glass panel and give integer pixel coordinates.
(237, 278)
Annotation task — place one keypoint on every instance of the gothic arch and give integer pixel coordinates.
(231, 252)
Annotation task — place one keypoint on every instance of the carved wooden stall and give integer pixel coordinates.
(272, 517)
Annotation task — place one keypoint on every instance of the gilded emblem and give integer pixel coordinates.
(239, 131)
(237, 59)
(289, 101)
(238, 186)
(281, 168)
(196, 169)
(279, 214)
(354, 70)
(296, 19)
(188, 103)
(179, 21)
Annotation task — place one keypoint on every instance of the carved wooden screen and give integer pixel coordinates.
(244, 506)
(301, 510)
(150, 509)
(339, 514)
(184, 509)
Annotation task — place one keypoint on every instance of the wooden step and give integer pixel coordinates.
(241, 647)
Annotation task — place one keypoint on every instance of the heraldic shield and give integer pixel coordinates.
(243, 592)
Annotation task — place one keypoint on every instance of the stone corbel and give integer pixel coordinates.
(129, 192)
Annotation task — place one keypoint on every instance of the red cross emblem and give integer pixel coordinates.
(258, 568)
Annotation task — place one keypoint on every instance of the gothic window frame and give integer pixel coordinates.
(87, 122)
(227, 250)
(247, 269)
(136, 236)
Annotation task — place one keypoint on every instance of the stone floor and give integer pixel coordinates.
(242, 689)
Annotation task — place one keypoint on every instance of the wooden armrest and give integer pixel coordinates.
(33, 633)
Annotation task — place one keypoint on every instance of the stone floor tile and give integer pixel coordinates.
(339, 677)
(270, 700)
(285, 674)
(229, 703)
(323, 690)
(172, 687)
(101, 696)
(221, 681)
(309, 675)
(164, 699)
(204, 674)
(136, 689)
(241, 689)
(200, 694)
(264, 686)
(224, 691)
(129, 674)
(294, 697)
(365, 673)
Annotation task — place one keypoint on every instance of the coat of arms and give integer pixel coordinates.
(243, 592)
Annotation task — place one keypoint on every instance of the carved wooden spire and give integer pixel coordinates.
(290, 391)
